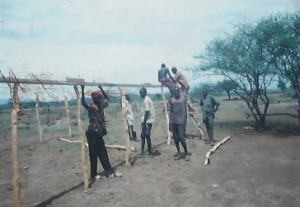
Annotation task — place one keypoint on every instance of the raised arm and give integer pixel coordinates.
(83, 98)
(103, 92)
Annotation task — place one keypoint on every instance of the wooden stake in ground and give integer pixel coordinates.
(207, 156)
(126, 130)
(108, 146)
(15, 156)
(167, 116)
(68, 116)
(81, 136)
(37, 110)
(197, 124)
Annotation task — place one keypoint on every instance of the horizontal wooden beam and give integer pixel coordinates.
(71, 82)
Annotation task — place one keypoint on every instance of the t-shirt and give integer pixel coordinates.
(182, 79)
(208, 105)
(178, 114)
(148, 106)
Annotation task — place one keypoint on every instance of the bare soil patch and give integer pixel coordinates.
(254, 168)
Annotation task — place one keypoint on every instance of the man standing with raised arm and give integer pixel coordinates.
(95, 132)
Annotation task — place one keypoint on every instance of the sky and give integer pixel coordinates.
(117, 41)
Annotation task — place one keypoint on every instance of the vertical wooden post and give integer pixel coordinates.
(167, 116)
(81, 135)
(68, 116)
(126, 130)
(15, 156)
(37, 110)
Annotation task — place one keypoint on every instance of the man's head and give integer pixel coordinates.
(174, 70)
(97, 97)
(127, 97)
(163, 65)
(143, 92)
(176, 93)
(204, 92)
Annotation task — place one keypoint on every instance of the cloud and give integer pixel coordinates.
(117, 41)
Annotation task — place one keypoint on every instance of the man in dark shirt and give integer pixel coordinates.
(96, 131)
(209, 107)
(178, 118)
(163, 78)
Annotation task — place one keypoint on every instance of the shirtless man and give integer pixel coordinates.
(184, 87)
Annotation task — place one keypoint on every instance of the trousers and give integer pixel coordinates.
(97, 149)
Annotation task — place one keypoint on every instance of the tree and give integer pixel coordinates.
(196, 92)
(281, 84)
(282, 36)
(227, 85)
(242, 59)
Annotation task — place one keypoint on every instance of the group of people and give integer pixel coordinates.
(180, 105)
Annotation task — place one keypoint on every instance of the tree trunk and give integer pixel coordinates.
(228, 94)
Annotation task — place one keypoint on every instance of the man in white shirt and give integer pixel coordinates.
(147, 119)
(130, 119)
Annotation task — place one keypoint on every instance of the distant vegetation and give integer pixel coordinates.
(72, 102)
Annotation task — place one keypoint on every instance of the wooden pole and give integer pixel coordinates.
(212, 150)
(15, 156)
(167, 116)
(37, 110)
(71, 82)
(81, 136)
(68, 116)
(197, 124)
(126, 130)
(108, 146)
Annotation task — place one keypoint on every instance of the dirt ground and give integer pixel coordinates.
(254, 168)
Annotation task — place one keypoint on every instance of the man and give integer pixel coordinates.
(181, 79)
(147, 119)
(209, 106)
(95, 132)
(163, 78)
(130, 119)
(184, 87)
(178, 118)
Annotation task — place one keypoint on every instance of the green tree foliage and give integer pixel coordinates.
(281, 84)
(227, 86)
(282, 37)
(253, 55)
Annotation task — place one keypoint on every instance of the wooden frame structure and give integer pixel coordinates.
(71, 82)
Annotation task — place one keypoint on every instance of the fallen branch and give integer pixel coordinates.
(119, 147)
(212, 150)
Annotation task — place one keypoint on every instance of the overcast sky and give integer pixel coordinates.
(117, 41)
